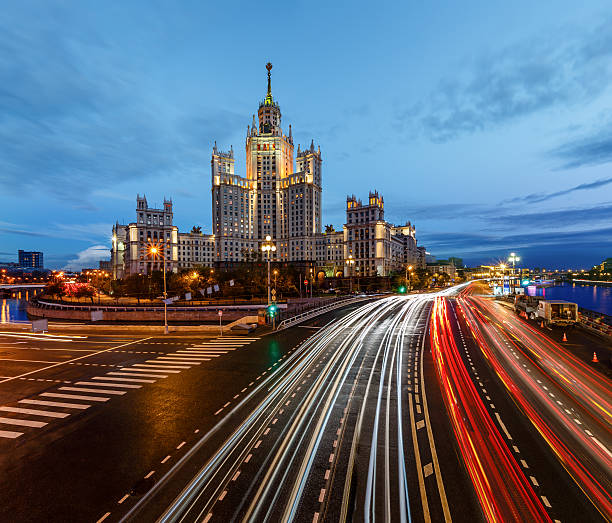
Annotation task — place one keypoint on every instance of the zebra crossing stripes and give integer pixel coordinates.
(123, 379)
(36, 412)
(105, 384)
(55, 404)
(100, 389)
(74, 396)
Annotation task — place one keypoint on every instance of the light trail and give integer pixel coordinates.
(502, 489)
(544, 380)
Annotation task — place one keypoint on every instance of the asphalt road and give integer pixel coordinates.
(344, 417)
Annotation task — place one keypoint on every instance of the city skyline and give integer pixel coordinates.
(487, 148)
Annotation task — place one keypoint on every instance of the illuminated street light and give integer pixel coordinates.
(268, 247)
(350, 261)
(513, 258)
(409, 270)
(155, 251)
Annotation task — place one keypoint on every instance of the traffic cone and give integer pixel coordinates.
(541, 324)
(595, 360)
(564, 337)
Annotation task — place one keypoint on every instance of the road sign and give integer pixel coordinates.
(220, 313)
(305, 282)
(40, 325)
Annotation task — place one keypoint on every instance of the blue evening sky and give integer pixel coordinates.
(487, 124)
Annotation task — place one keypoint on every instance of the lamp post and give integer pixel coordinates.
(409, 277)
(268, 247)
(513, 258)
(154, 251)
(350, 262)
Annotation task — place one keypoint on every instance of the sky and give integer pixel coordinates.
(486, 124)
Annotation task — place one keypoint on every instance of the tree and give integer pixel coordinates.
(55, 288)
(84, 291)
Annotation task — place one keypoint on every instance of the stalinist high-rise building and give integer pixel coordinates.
(274, 199)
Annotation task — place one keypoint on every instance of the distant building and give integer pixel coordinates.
(377, 246)
(153, 227)
(31, 259)
(606, 265)
(105, 265)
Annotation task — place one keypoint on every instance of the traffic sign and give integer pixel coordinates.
(220, 313)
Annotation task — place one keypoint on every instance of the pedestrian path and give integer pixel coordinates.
(67, 400)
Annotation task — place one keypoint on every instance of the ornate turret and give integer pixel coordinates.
(269, 111)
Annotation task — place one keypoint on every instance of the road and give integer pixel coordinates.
(409, 408)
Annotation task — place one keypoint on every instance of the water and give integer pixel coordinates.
(594, 297)
(14, 309)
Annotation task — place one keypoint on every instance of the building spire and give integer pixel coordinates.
(269, 100)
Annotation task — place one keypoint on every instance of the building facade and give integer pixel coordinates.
(280, 196)
(273, 199)
(376, 246)
(30, 259)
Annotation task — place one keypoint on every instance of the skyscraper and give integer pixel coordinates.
(273, 199)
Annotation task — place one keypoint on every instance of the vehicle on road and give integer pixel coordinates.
(557, 312)
(526, 305)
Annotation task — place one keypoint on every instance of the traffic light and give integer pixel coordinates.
(402, 290)
(272, 310)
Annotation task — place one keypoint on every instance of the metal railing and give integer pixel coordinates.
(294, 320)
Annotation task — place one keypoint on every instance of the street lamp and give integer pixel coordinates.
(513, 258)
(350, 262)
(268, 247)
(409, 277)
(156, 251)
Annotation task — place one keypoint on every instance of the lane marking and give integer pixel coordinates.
(123, 499)
(23, 422)
(106, 384)
(501, 424)
(74, 359)
(137, 375)
(166, 459)
(36, 412)
(428, 470)
(149, 474)
(74, 396)
(10, 434)
(130, 369)
(80, 406)
(95, 391)
(103, 517)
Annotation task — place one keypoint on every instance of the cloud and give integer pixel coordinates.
(88, 258)
(514, 83)
(592, 149)
(557, 219)
(540, 197)
(77, 119)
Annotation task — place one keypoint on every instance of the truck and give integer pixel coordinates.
(557, 312)
(526, 305)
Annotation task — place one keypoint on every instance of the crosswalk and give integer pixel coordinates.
(66, 400)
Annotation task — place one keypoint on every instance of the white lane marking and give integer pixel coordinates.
(236, 475)
(428, 470)
(322, 495)
(36, 412)
(524, 463)
(129, 380)
(546, 502)
(23, 422)
(501, 424)
(74, 396)
(80, 406)
(222, 496)
(104, 384)
(534, 481)
(10, 434)
(73, 359)
(29, 361)
(158, 367)
(123, 499)
(149, 474)
(171, 361)
(603, 447)
(166, 459)
(130, 369)
(577, 421)
(103, 517)
(139, 375)
(181, 445)
(180, 360)
(95, 391)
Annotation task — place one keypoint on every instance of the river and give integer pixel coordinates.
(594, 297)
(14, 309)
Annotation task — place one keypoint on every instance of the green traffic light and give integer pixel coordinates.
(402, 290)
